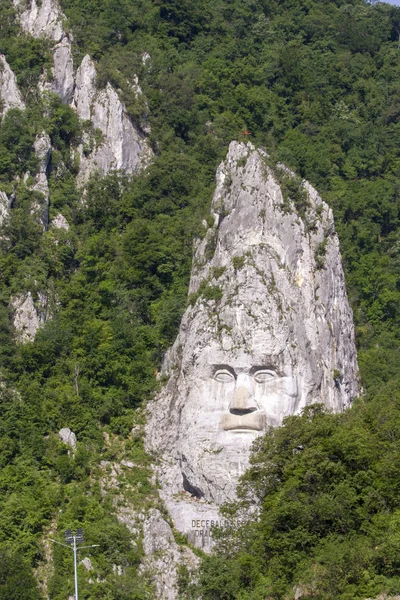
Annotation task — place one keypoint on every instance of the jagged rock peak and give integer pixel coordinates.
(268, 331)
(85, 88)
(60, 222)
(10, 95)
(63, 71)
(42, 148)
(47, 21)
(43, 20)
(123, 147)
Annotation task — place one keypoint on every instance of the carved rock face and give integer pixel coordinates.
(269, 331)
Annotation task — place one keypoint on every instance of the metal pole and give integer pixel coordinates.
(75, 571)
(74, 549)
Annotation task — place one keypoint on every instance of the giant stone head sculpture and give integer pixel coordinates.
(267, 332)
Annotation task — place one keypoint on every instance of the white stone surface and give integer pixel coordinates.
(87, 563)
(46, 21)
(42, 148)
(163, 555)
(28, 317)
(118, 570)
(280, 338)
(63, 71)
(85, 88)
(122, 147)
(67, 437)
(4, 207)
(10, 95)
(60, 222)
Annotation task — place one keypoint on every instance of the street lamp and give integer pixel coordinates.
(73, 538)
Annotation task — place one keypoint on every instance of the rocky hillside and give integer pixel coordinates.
(110, 140)
(137, 369)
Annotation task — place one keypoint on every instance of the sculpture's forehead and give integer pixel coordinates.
(242, 358)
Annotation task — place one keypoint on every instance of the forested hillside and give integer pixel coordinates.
(318, 85)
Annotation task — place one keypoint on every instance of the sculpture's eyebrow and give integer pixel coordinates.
(222, 367)
(270, 363)
(264, 366)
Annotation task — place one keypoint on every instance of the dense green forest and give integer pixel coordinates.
(318, 85)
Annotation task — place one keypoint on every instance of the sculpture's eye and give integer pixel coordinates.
(223, 376)
(264, 376)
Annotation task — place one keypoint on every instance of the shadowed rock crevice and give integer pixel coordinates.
(192, 489)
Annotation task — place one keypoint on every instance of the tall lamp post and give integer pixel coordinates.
(73, 538)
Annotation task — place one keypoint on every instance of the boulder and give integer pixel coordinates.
(67, 437)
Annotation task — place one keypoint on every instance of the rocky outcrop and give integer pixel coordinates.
(163, 555)
(268, 331)
(122, 147)
(28, 315)
(85, 88)
(60, 222)
(10, 96)
(46, 21)
(63, 71)
(5, 205)
(67, 437)
(41, 20)
(40, 207)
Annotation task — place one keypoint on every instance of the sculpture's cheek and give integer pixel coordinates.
(278, 399)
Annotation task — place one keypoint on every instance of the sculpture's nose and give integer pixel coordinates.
(243, 401)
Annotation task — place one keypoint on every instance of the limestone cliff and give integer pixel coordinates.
(122, 146)
(46, 21)
(111, 143)
(268, 331)
(10, 96)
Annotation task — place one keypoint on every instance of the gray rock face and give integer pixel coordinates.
(270, 332)
(163, 555)
(46, 21)
(42, 147)
(63, 71)
(28, 316)
(67, 437)
(10, 95)
(85, 88)
(122, 147)
(5, 205)
(87, 563)
(60, 222)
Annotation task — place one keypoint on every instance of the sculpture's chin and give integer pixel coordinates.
(242, 423)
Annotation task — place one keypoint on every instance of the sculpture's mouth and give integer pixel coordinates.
(251, 422)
